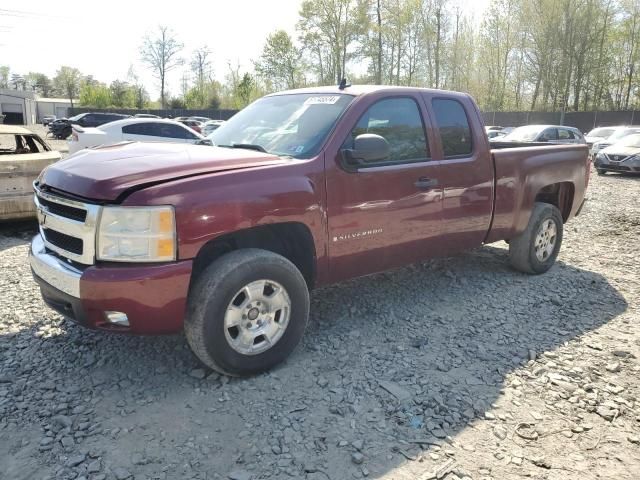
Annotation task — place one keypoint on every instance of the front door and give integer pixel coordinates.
(386, 213)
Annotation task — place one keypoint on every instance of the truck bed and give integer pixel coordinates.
(523, 169)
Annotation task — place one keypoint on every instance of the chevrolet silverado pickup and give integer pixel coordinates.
(300, 189)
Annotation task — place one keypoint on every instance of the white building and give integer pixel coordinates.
(52, 106)
(21, 107)
(18, 107)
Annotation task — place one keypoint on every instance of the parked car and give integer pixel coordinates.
(193, 124)
(623, 156)
(616, 136)
(60, 129)
(599, 133)
(304, 189)
(200, 119)
(544, 133)
(145, 115)
(47, 119)
(212, 125)
(491, 128)
(494, 133)
(96, 119)
(132, 129)
(23, 155)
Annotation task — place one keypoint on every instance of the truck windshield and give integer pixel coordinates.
(293, 125)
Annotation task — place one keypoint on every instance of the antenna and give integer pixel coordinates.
(343, 84)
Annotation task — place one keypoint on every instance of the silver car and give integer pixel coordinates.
(557, 134)
(623, 156)
(616, 136)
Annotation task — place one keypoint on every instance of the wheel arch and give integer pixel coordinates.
(559, 194)
(292, 240)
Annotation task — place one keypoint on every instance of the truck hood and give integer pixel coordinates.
(105, 173)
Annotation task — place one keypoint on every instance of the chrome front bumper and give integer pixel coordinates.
(53, 270)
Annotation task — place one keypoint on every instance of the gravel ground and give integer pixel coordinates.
(454, 369)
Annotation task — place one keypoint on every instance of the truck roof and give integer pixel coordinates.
(357, 90)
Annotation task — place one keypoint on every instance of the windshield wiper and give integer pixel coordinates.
(246, 146)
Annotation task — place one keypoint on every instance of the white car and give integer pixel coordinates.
(132, 129)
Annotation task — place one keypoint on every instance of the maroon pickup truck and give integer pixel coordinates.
(302, 188)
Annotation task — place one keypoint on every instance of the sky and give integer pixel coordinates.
(103, 38)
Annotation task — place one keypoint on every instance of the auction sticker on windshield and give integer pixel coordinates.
(323, 100)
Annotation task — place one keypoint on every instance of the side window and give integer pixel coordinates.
(564, 134)
(186, 133)
(453, 125)
(549, 134)
(398, 121)
(137, 129)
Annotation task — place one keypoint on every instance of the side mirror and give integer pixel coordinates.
(367, 148)
(204, 141)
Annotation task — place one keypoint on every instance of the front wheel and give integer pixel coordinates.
(535, 250)
(601, 171)
(247, 312)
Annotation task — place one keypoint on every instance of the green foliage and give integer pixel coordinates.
(4, 76)
(67, 82)
(280, 65)
(95, 95)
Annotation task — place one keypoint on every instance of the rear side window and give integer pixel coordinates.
(138, 129)
(453, 125)
(565, 134)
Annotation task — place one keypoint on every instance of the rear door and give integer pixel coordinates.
(465, 174)
(385, 214)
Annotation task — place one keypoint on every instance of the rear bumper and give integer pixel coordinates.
(153, 297)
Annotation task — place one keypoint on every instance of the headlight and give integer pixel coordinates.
(137, 234)
(600, 156)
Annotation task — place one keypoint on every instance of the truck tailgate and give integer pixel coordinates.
(521, 172)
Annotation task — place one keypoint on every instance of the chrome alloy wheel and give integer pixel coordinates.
(257, 317)
(546, 240)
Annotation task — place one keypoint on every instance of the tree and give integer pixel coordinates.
(161, 53)
(17, 81)
(67, 81)
(281, 62)
(329, 31)
(40, 83)
(4, 76)
(95, 95)
(201, 68)
(141, 96)
(245, 89)
(123, 95)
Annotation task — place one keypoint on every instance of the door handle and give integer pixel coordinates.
(424, 183)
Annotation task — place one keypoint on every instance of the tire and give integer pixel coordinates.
(245, 287)
(601, 171)
(523, 252)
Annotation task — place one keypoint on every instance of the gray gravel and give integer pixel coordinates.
(457, 368)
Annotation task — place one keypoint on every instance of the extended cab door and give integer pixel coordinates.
(466, 171)
(386, 213)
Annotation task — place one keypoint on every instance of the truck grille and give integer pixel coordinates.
(68, 227)
(63, 241)
(66, 211)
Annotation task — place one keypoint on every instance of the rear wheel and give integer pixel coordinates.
(535, 250)
(247, 312)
